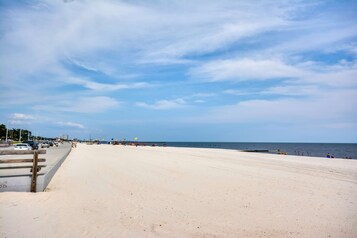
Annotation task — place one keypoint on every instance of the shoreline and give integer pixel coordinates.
(334, 150)
(126, 191)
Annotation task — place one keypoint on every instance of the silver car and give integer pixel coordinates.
(45, 144)
(22, 146)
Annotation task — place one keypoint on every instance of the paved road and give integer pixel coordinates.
(53, 155)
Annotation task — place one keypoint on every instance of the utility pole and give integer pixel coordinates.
(7, 131)
(20, 135)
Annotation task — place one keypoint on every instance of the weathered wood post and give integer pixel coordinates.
(34, 171)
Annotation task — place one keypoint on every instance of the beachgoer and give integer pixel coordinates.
(328, 155)
(74, 144)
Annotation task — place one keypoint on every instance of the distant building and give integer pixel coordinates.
(64, 137)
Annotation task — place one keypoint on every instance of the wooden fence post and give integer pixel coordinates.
(34, 172)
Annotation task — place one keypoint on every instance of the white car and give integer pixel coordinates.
(45, 144)
(22, 146)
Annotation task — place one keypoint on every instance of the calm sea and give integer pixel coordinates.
(303, 149)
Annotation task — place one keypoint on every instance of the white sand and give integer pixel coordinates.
(117, 191)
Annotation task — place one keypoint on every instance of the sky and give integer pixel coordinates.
(229, 70)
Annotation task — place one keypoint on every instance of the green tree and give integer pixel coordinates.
(2, 131)
(14, 133)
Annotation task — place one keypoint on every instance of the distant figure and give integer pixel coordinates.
(279, 151)
(328, 155)
(332, 156)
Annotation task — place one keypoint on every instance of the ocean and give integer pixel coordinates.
(338, 150)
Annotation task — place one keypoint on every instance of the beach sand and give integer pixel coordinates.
(124, 191)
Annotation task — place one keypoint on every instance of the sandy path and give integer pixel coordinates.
(117, 191)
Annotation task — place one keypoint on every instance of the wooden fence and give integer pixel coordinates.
(34, 168)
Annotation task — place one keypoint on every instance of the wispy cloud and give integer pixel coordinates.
(93, 104)
(233, 61)
(163, 104)
(321, 109)
(285, 90)
(21, 116)
(246, 69)
(107, 86)
(71, 124)
(21, 119)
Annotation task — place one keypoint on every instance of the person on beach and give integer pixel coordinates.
(328, 155)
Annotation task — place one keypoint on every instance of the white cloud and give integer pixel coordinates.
(88, 30)
(344, 77)
(320, 36)
(20, 122)
(238, 92)
(95, 104)
(220, 34)
(95, 86)
(163, 104)
(176, 103)
(113, 87)
(284, 90)
(246, 69)
(71, 57)
(301, 79)
(320, 108)
(71, 124)
(21, 116)
(21, 119)
(292, 90)
(201, 95)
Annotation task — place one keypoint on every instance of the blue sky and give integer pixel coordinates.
(283, 71)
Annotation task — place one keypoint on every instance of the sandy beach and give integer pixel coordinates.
(124, 191)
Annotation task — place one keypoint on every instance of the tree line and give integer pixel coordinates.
(15, 133)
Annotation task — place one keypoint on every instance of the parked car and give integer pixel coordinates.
(33, 144)
(22, 146)
(50, 143)
(45, 144)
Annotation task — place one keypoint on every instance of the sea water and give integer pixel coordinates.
(337, 150)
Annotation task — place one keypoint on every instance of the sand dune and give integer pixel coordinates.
(118, 191)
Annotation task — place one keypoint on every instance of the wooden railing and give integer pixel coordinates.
(34, 168)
